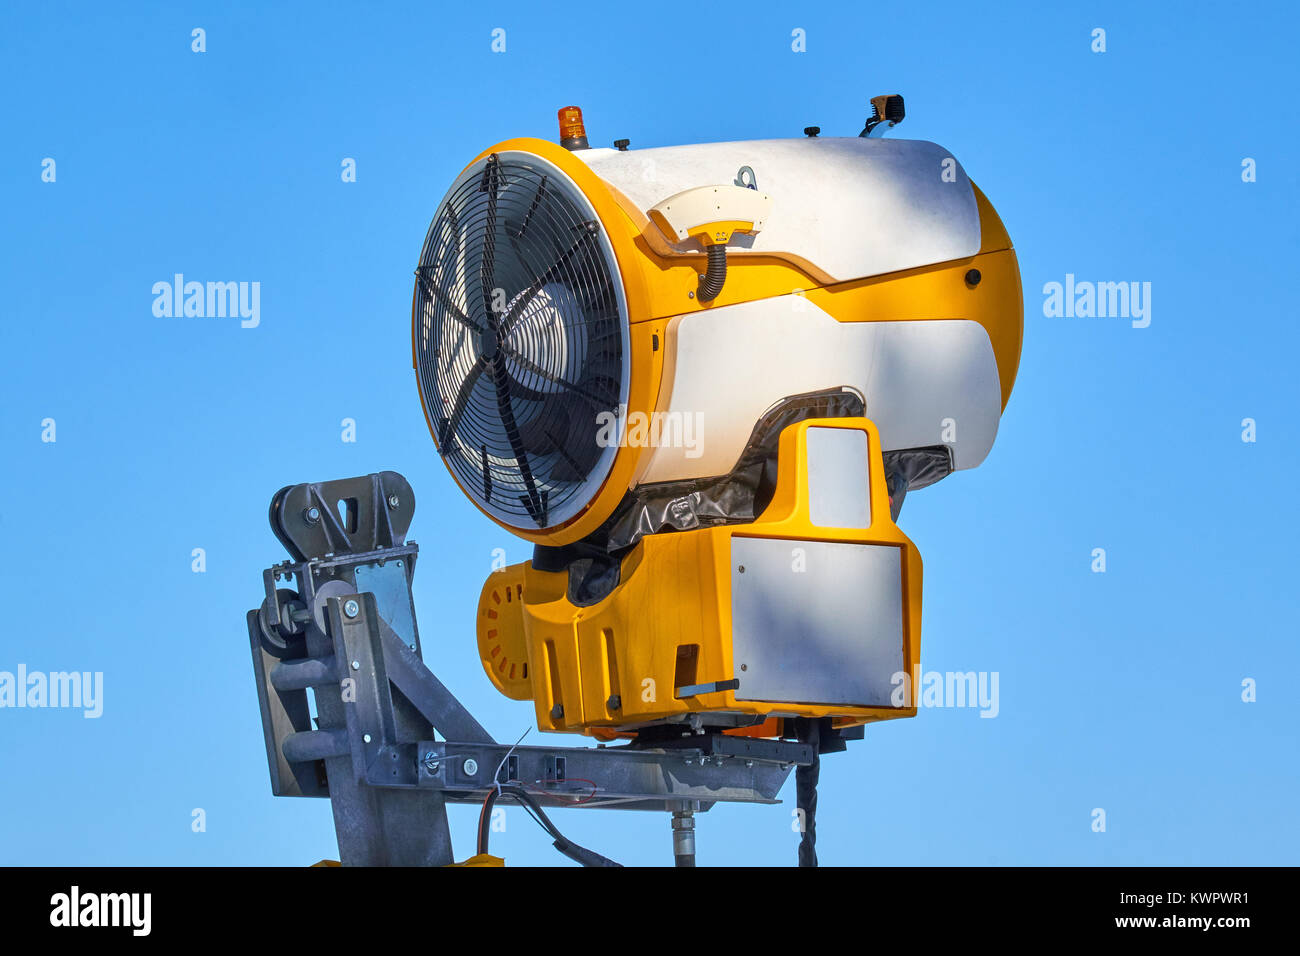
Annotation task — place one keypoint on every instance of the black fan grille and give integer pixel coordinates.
(519, 341)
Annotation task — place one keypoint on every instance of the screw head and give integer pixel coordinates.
(394, 501)
(973, 277)
(311, 515)
(470, 766)
(351, 608)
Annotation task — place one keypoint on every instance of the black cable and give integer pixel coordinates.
(805, 783)
(562, 843)
(805, 788)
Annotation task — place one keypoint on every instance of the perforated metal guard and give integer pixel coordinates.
(520, 340)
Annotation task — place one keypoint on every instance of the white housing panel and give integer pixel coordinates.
(853, 207)
(730, 364)
(831, 636)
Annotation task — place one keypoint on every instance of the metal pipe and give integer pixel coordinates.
(301, 674)
(308, 745)
(684, 837)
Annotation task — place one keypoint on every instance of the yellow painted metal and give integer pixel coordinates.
(660, 283)
(482, 859)
(719, 233)
(599, 669)
(502, 644)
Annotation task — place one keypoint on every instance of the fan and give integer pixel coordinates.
(520, 340)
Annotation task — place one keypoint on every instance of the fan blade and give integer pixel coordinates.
(462, 400)
(502, 379)
(551, 377)
(536, 286)
(528, 217)
(439, 293)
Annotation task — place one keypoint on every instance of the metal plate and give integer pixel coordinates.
(816, 622)
(392, 596)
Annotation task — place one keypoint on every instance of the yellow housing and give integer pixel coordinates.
(617, 665)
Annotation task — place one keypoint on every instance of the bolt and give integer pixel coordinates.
(615, 702)
(749, 763)
(973, 277)
(311, 515)
(366, 738)
(351, 608)
(394, 501)
(557, 712)
(741, 569)
(470, 766)
(399, 564)
(356, 665)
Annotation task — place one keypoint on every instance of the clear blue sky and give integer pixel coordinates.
(1119, 690)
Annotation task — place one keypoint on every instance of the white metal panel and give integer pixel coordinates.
(825, 630)
(853, 207)
(733, 362)
(839, 478)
